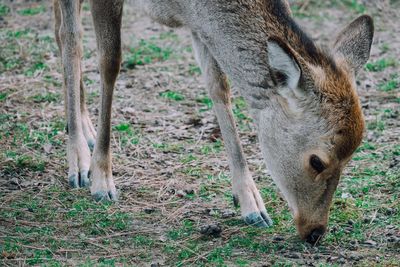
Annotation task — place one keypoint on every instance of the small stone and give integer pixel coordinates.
(154, 264)
(278, 238)
(372, 136)
(370, 243)
(350, 222)
(149, 210)
(293, 255)
(213, 212)
(333, 258)
(355, 257)
(341, 261)
(47, 148)
(129, 110)
(149, 85)
(228, 214)
(346, 195)
(348, 230)
(213, 230)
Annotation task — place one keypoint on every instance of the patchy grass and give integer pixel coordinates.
(88, 219)
(169, 162)
(384, 48)
(24, 51)
(239, 107)
(206, 102)
(194, 69)
(172, 95)
(392, 84)
(4, 10)
(380, 65)
(127, 135)
(146, 52)
(354, 5)
(3, 96)
(307, 9)
(32, 10)
(47, 97)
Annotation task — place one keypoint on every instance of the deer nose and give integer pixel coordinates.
(315, 236)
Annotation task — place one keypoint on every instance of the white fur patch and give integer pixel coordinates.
(282, 62)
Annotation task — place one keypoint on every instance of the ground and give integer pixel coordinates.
(168, 158)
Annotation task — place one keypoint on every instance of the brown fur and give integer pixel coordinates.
(336, 91)
(343, 110)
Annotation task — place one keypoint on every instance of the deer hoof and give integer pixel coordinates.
(79, 180)
(84, 179)
(258, 219)
(105, 196)
(73, 181)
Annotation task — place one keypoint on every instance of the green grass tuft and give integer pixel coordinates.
(146, 52)
(206, 101)
(354, 5)
(380, 64)
(172, 95)
(390, 85)
(4, 10)
(32, 11)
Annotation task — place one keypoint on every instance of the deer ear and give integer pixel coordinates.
(284, 70)
(354, 42)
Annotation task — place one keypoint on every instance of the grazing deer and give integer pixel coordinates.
(303, 99)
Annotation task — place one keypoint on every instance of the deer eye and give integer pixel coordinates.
(317, 164)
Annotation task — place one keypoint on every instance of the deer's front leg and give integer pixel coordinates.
(87, 126)
(244, 189)
(107, 24)
(68, 34)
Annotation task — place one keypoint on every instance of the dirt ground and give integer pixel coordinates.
(169, 162)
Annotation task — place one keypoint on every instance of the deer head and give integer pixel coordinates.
(313, 123)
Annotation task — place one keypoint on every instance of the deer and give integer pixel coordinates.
(302, 98)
